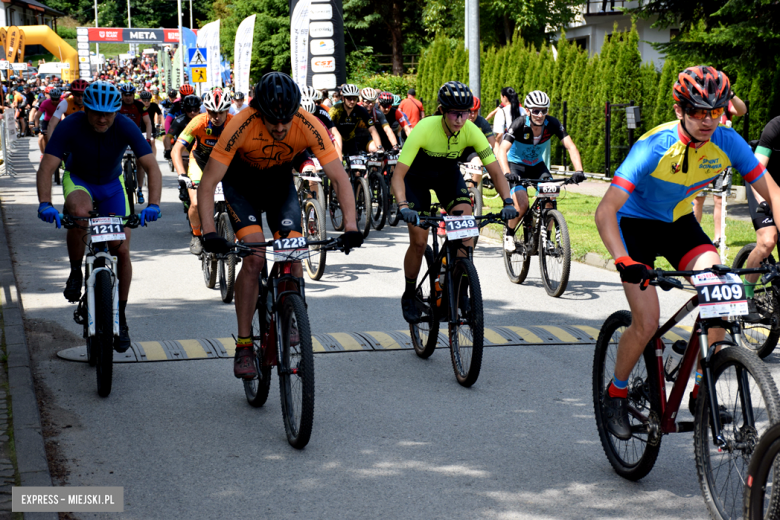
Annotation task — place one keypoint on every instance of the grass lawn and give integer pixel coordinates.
(579, 211)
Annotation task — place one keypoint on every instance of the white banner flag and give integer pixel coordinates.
(299, 41)
(208, 38)
(242, 54)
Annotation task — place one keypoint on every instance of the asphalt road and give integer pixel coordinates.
(394, 436)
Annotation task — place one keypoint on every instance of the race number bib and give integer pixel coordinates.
(392, 158)
(548, 189)
(104, 229)
(461, 227)
(296, 248)
(316, 163)
(219, 195)
(720, 296)
(357, 162)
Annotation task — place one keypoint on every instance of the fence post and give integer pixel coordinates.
(631, 132)
(746, 124)
(607, 137)
(564, 162)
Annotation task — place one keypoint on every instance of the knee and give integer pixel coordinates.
(765, 243)
(252, 265)
(417, 246)
(645, 325)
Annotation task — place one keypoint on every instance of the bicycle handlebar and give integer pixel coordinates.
(244, 249)
(69, 221)
(491, 218)
(662, 279)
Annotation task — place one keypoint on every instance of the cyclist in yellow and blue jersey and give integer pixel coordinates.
(647, 212)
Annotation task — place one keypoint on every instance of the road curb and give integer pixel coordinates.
(31, 457)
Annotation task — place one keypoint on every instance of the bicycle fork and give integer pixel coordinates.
(91, 291)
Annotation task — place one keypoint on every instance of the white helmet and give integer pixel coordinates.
(308, 105)
(217, 100)
(369, 95)
(349, 90)
(318, 96)
(308, 92)
(536, 99)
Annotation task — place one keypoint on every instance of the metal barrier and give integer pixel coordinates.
(8, 139)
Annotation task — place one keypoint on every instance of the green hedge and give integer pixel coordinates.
(386, 81)
(67, 32)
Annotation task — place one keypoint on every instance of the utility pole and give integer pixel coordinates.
(466, 25)
(181, 45)
(473, 38)
(190, 14)
(97, 45)
(130, 26)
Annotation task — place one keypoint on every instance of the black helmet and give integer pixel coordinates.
(277, 97)
(454, 95)
(238, 95)
(191, 102)
(173, 92)
(145, 95)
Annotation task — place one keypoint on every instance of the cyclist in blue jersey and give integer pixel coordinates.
(647, 212)
(96, 140)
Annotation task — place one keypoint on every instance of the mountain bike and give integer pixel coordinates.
(281, 334)
(130, 173)
(761, 331)
(379, 189)
(355, 166)
(449, 290)
(212, 266)
(761, 495)
(98, 309)
(544, 233)
(312, 221)
(391, 161)
(737, 399)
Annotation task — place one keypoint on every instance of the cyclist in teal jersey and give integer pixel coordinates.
(647, 212)
(429, 161)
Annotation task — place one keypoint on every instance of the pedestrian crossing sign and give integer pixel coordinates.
(197, 57)
(199, 74)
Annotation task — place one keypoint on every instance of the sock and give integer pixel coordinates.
(749, 289)
(75, 266)
(411, 286)
(510, 232)
(243, 342)
(196, 232)
(618, 388)
(122, 307)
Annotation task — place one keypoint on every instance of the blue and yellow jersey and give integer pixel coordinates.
(652, 173)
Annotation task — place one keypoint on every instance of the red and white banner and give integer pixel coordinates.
(134, 35)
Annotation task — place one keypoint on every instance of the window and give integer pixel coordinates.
(674, 33)
(582, 43)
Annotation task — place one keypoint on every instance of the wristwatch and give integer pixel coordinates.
(508, 202)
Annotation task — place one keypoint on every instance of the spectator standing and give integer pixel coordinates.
(412, 108)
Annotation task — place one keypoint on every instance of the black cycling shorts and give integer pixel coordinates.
(468, 155)
(279, 201)
(679, 242)
(536, 172)
(449, 186)
(760, 220)
(358, 144)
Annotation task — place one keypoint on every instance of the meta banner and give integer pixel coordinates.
(325, 64)
(120, 35)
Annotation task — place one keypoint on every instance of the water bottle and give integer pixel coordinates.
(673, 360)
(440, 282)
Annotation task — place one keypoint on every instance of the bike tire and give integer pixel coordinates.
(723, 489)
(130, 183)
(321, 192)
(256, 390)
(334, 209)
(363, 206)
(104, 331)
(379, 199)
(761, 337)
(763, 461)
(296, 389)
(425, 334)
(518, 262)
(476, 207)
(226, 266)
(314, 228)
(555, 262)
(633, 458)
(209, 267)
(467, 338)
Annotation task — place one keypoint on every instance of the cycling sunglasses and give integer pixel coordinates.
(538, 111)
(701, 113)
(274, 122)
(455, 115)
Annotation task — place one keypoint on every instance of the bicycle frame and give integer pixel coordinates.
(282, 280)
(92, 255)
(449, 252)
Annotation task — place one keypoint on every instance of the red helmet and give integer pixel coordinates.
(80, 85)
(702, 87)
(385, 99)
(186, 90)
(476, 104)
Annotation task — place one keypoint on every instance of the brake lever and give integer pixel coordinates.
(668, 284)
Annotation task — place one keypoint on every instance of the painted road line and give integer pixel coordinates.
(151, 351)
(560, 334)
(590, 331)
(673, 336)
(195, 350)
(525, 334)
(316, 346)
(350, 342)
(385, 341)
(494, 337)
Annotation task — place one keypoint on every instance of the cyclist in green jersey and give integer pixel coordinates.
(429, 161)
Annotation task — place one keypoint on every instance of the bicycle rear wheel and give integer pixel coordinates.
(256, 390)
(363, 206)
(226, 266)
(518, 261)
(635, 457)
(209, 267)
(314, 227)
(761, 500)
(425, 333)
(379, 199)
(555, 254)
(747, 393)
(334, 208)
(761, 335)
(296, 371)
(104, 331)
(128, 173)
(467, 334)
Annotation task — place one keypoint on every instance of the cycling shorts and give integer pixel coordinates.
(679, 242)
(535, 172)
(277, 198)
(449, 186)
(358, 144)
(44, 125)
(760, 220)
(108, 198)
(194, 172)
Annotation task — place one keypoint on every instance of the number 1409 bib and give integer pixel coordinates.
(720, 296)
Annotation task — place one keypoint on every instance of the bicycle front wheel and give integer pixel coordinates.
(128, 173)
(761, 500)
(226, 266)
(363, 206)
(296, 371)
(760, 335)
(467, 332)
(555, 254)
(748, 405)
(104, 331)
(314, 227)
(379, 200)
(209, 267)
(334, 208)
(635, 457)
(425, 333)
(517, 260)
(256, 390)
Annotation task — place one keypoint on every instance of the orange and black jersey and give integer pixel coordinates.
(201, 130)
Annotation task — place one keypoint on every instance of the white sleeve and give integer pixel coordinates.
(498, 122)
(61, 108)
(232, 110)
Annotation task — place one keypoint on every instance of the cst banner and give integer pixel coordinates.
(325, 64)
(119, 35)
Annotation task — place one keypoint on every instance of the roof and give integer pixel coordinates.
(37, 6)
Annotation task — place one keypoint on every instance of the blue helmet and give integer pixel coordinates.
(102, 96)
(127, 88)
